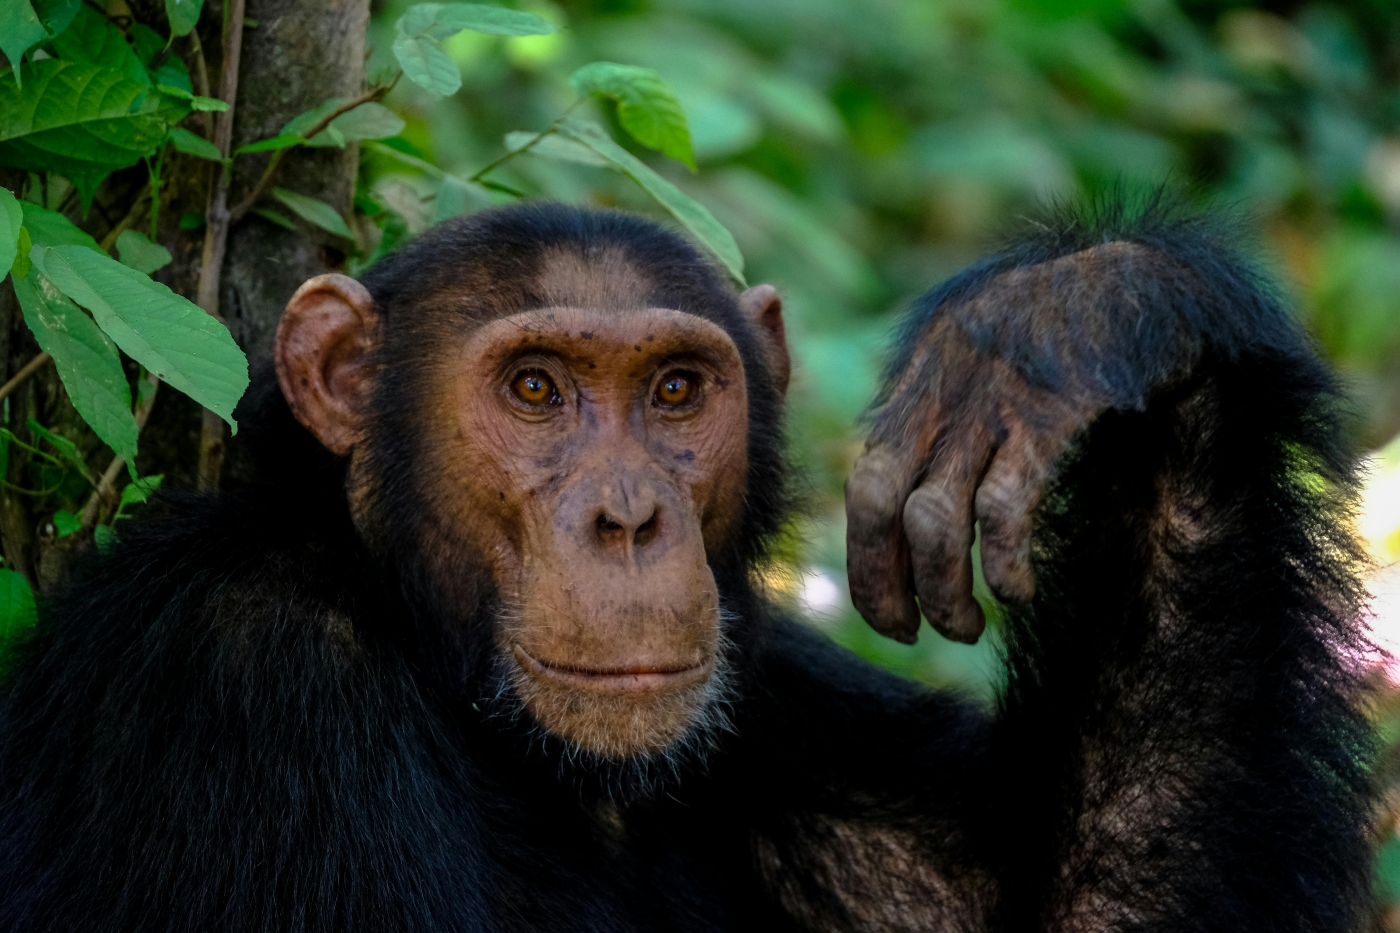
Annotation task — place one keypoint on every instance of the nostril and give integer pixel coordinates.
(607, 526)
(646, 532)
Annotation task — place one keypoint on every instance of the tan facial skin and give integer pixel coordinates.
(598, 458)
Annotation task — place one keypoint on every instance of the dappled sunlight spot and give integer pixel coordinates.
(1384, 618)
(1379, 522)
(819, 595)
(1379, 525)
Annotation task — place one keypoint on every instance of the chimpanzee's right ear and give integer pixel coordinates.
(323, 343)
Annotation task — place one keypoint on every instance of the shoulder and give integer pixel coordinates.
(219, 565)
(195, 699)
(212, 595)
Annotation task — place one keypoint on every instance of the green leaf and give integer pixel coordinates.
(558, 147)
(314, 211)
(304, 121)
(440, 20)
(49, 228)
(18, 613)
(194, 100)
(104, 537)
(81, 120)
(92, 38)
(11, 223)
(458, 196)
(56, 14)
(146, 43)
(66, 523)
(646, 108)
(172, 73)
(190, 220)
(170, 336)
(140, 253)
(145, 388)
(410, 160)
(86, 360)
(20, 30)
(424, 25)
(691, 213)
(370, 120)
(140, 490)
(183, 15)
(66, 449)
(425, 64)
(281, 220)
(21, 265)
(284, 141)
(194, 144)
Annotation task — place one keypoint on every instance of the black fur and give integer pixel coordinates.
(240, 720)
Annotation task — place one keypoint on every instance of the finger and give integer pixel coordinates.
(877, 557)
(938, 524)
(1005, 500)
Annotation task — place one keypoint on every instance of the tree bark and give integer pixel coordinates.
(298, 54)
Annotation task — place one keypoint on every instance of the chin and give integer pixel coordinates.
(616, 716)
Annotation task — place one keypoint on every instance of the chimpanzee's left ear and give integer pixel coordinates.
(762, 305)
(322, 344)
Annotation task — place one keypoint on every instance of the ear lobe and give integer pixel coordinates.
(322, 341)
(762, 305)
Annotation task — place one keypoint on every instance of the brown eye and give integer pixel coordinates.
(535, 388)
(676, 389)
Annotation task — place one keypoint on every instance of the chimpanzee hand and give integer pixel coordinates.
(993, 390)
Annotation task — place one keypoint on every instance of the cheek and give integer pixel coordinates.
(472, 483)
(709, 459)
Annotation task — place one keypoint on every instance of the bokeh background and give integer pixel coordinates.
(862, 150)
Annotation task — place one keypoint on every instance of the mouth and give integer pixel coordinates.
(624, 680)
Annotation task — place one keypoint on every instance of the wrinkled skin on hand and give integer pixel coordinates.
(974, 422)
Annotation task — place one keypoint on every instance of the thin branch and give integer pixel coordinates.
(133, 216)
(18, 378)
(216, 218)
(106, 490)
(201, 79)
(548, 130)
(211, 443)
(265, 182)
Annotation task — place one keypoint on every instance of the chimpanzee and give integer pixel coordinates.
(485, 650)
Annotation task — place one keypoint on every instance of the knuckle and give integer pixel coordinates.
(935, 518)
(873, 495)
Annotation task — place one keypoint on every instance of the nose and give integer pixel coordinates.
(628, 521)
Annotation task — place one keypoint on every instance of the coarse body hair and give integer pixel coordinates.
(254, 715)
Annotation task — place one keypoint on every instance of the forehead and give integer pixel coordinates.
(600, 277)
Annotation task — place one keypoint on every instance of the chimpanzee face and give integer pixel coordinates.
(594, 455)
(595, 460)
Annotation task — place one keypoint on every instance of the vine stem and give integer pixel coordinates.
(201, 77)
(139, 209)
(29, 369)
(211, 435)
(106, 488)
(548, 130)
(265, 182)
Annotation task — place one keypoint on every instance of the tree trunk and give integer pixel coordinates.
(296, 54)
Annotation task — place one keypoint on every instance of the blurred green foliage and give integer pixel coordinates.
(862, 150)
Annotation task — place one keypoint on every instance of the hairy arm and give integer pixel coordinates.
(1151, 450)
